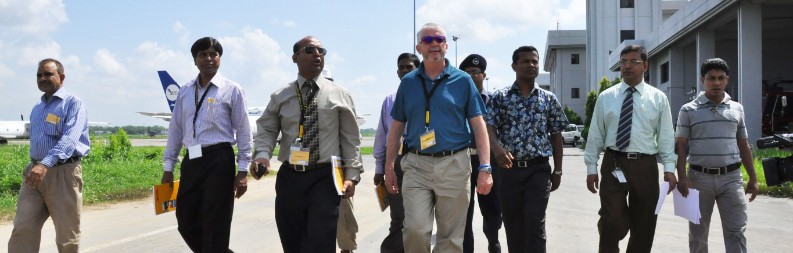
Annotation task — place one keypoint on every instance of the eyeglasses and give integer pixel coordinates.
(429, 39)
(313, 50)
(473, 72)
(631, 62)
(210, 54)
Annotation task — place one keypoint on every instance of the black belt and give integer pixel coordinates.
(530, 162)
(303, 168)
(215, 147)
(629, 155)
(59, 163)
(715, 170)
(437, 154)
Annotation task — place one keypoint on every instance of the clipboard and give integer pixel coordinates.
(165, 197)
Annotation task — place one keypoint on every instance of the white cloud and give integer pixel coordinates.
(490, 20)
(107, 62)
(184, 34)
(573, 17)
(32, 17)
(284, 23)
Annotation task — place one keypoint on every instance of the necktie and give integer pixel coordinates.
(311, 138)
(624, 128)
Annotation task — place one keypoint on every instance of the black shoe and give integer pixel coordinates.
(346, 251)
(494, 248)
(230, 251)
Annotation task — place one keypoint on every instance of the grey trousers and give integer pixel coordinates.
(728, 193)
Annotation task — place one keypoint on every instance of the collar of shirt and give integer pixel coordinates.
(514, 90)
(623, 87)
(446, 70)
(216, 80)
(60, 93)
(302, 80)
(702, 99)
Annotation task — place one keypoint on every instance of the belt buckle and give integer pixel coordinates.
(299, 168)
(523, 164)
(718, 171)
(632, 155)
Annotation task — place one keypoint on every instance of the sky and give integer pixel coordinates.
(111, 50)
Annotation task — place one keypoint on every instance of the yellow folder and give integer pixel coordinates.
(165, 197)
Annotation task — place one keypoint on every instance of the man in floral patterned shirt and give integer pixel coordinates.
(524, 123)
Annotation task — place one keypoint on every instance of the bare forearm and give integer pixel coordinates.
(393, 142)
(482, 140)
(558, 150)
(746, 158)
(682, 154)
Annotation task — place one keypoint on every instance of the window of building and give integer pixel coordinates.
(627, 35)
(665, 72)
(574, 93)
(574, 58)
(626, 3)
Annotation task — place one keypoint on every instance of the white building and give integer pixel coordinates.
(753, 36)
(565, 60)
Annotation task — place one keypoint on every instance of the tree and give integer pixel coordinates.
(591, 99)
(572, 117)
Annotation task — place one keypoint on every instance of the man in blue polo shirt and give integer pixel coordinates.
(437, 168)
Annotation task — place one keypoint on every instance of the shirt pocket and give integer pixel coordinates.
(53, 129)
(328, 118)
(215, 108)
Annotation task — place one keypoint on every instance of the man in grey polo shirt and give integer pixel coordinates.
(712, 133)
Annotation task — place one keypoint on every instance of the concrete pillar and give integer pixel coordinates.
(677, 81)
(706, 49)
(750, 58)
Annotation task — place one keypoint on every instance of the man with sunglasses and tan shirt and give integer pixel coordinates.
(316, 119)
(439, 104)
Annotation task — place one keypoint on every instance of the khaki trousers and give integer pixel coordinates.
(435, 187)
(347, 227)
(60, 196)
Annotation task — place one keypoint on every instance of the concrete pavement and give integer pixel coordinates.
(571, 222)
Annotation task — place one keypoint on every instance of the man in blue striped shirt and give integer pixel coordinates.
(53, 182)
(208, 118)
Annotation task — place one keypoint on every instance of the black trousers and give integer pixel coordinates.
(205, 202)
(488, 206)
(393, 242)
(306, 210)
(628, 206)
(523, 194)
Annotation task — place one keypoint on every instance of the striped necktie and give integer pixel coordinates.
(626, 116)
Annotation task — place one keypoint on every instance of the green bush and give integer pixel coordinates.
(572, 117)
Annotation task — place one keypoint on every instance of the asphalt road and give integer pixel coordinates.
(571, 222)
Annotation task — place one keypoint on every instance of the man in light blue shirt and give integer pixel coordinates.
(208, 118)
(633, 122)
(53, 181)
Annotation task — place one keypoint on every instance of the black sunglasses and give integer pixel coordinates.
(313, 49)
(429, 39)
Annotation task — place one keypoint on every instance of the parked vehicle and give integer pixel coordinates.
(571, 135)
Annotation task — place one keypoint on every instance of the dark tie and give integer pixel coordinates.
(311, 138)
(624, 128)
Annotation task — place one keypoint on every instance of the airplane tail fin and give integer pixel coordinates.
(170, 87)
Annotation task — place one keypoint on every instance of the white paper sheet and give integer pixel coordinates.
(661, 196)
(687, 207)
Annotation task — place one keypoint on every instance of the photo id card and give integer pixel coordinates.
(195, 151)
(298, 155)
(427, 139)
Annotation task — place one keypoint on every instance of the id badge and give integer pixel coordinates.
(619, 175)
(428, 139)
(195, 151)
(52, 119)
(298, 155)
